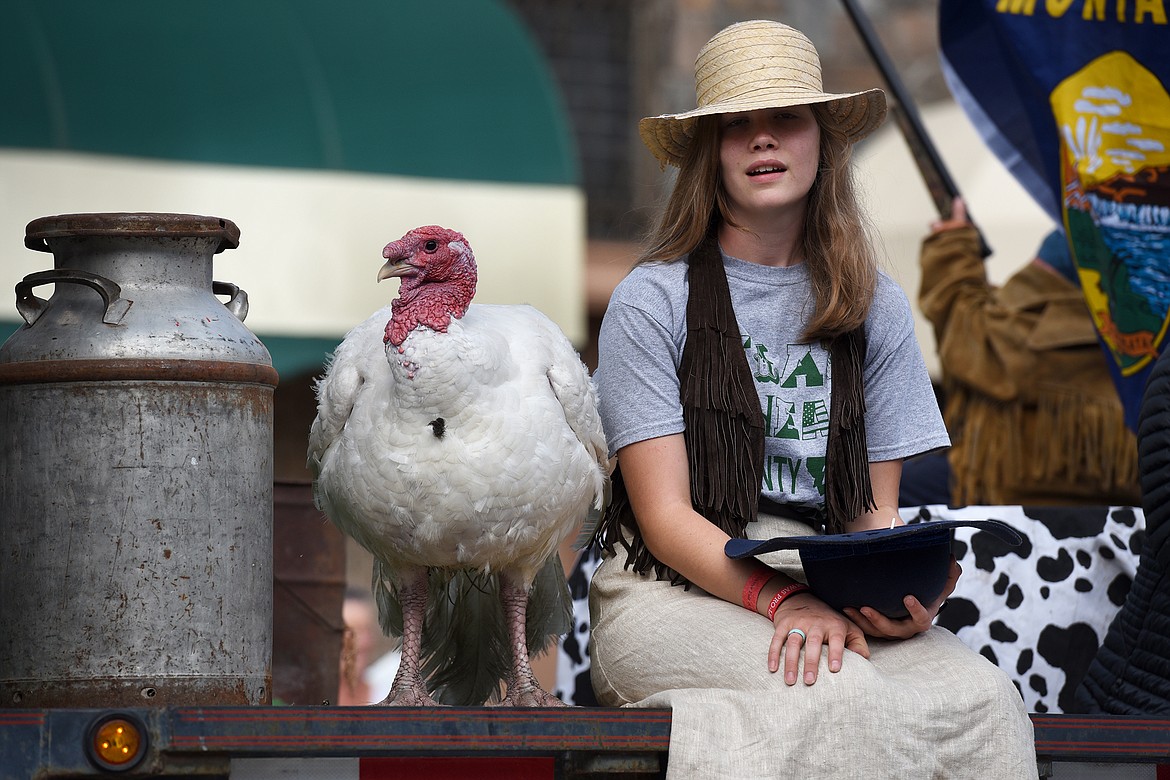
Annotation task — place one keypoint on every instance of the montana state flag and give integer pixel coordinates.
(1072, 96)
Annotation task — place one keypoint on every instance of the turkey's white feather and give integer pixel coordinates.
(476, 448)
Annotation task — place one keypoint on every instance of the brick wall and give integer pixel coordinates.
(619, 60)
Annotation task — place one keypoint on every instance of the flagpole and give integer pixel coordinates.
(934, 172)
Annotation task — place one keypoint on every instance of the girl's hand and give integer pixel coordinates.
(822, 625)
(921, 617)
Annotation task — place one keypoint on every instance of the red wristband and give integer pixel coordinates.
(755, 584)
(783, 593)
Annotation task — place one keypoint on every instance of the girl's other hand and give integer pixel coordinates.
(920, 619)
(822, 625)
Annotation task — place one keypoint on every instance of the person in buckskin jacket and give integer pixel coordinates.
(1032, 411)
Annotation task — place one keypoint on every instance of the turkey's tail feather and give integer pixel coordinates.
(389, 608)
(465, 639)
(550, 606)
(588, 530)
(466, 652)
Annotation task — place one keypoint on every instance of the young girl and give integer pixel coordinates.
(759, 376)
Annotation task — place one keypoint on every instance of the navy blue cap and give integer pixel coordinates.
(876, 568)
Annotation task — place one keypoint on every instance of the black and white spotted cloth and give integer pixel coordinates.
(1039, 611)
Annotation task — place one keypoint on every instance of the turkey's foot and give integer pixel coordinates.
(408, 696)
(408, 688)
(529, 696)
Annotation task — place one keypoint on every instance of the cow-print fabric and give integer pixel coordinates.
(1038, 611)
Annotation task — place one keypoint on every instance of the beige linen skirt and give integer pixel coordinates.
(927, 707)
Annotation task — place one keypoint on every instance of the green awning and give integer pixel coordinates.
(294, 356)
(452, 89)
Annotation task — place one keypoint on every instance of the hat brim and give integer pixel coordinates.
(876, 568)
(854, 114)
(866, 542)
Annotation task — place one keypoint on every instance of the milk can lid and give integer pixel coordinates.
(40, 230)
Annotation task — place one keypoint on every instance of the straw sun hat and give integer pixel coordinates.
(759, 64)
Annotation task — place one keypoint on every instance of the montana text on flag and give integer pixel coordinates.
(1072, 96)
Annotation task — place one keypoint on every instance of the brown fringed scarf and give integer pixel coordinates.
(724, 427)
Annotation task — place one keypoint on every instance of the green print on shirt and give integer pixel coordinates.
(804, 373)
(781, 418)
(781, 472)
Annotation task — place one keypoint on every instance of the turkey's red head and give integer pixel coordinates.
(438, 275)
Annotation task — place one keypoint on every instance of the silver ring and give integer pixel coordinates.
(803, 636)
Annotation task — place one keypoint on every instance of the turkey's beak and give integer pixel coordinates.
(394, 267)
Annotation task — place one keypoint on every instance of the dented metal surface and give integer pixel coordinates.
(135, 477)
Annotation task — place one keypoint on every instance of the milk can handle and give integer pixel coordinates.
(31, 307)
(238, 304)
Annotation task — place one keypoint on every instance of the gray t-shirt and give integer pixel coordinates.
(641, 344)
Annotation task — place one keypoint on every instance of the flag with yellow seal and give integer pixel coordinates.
(1072, 95)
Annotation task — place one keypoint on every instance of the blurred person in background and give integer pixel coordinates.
(1032, 411)
(357, 645)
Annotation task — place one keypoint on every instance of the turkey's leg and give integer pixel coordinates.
(409, 689)
(522, 688)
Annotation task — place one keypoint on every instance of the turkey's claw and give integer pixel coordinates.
(529, 696)
(408, 696)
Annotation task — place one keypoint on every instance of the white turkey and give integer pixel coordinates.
(460, 444)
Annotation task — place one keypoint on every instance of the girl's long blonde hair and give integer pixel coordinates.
(841, 262)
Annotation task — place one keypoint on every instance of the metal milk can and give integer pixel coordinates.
(135, 472)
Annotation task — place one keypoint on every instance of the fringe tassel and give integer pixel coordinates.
(721, 409)
(1066, 445)
(848, 491)
(721, 412)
